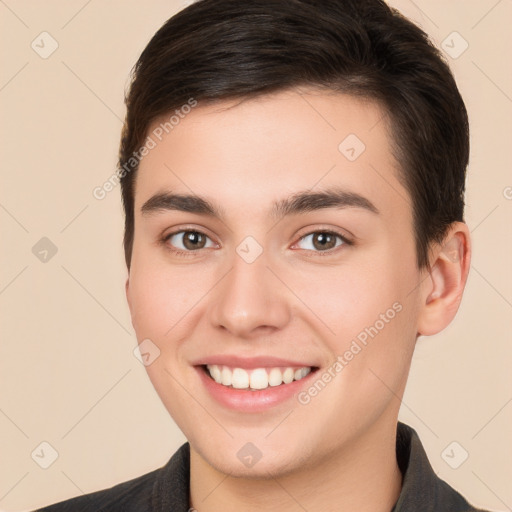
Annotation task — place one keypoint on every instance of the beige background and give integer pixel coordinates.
(68, 373)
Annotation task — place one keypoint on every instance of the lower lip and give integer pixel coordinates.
(246, 400)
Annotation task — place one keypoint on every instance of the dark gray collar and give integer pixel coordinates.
(422, 490)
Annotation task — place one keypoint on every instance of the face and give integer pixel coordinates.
(327, 283)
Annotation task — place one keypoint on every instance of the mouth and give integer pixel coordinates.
(255, 379)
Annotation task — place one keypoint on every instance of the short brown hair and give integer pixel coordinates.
(217, 50)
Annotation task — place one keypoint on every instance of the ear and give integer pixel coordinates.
(441, 291)
(128, 299)
(127, 292)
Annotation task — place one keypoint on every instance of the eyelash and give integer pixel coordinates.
(187, 254)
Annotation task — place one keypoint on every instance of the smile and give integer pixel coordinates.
(257, 378)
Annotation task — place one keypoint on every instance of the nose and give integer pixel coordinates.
(250, 300)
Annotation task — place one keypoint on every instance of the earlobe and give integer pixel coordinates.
(443, 288)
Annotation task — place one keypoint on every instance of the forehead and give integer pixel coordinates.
(255, 151)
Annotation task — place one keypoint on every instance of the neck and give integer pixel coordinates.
(362, 477)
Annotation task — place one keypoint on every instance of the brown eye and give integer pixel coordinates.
(322, 241)
(187, 240)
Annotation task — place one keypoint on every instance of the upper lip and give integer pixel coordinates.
(235, 361)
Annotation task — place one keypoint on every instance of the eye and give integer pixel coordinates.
(323, 241)
(187, 241)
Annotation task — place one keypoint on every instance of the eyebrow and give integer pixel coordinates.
(298, 203)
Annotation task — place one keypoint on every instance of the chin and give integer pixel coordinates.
(276, 463)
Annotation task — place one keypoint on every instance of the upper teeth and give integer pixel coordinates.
(259, 378)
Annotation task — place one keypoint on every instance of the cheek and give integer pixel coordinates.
(345, 300)
(163, 311)
(160, 299)
(381, 334)
(366, 313)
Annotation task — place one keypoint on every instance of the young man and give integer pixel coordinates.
(293, 177)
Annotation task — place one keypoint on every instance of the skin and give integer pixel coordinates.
(294, 301)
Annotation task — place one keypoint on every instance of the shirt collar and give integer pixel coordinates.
(422, 490)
